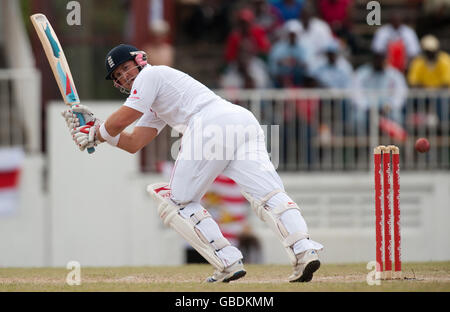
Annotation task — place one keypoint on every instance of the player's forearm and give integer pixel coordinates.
(116, 123)
(121, 119)
(106, 133)
(135, 141)
(114, 126)
(127, 143)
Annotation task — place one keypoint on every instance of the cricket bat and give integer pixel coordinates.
(58, 63)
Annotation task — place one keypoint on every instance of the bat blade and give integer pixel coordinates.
(58, 62)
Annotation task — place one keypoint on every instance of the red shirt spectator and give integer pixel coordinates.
(397, 40)
(335, 11)
(268, 17)
(246, 31)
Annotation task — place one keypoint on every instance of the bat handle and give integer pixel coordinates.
(82, 123)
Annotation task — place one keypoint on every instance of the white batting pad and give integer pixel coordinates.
(170, 214)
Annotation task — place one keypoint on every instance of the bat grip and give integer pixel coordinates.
(82, 123)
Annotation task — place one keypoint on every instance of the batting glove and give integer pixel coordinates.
(70, 115)
(86, 136)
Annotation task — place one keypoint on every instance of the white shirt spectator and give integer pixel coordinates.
(388, 33)
(338, 75)
(257, 69)
(385, 88)
(283, 48)
(318, 35)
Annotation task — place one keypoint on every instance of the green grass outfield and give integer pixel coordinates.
(432, 276)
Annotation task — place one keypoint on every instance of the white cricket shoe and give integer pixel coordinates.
(307, 263)
(231, 273)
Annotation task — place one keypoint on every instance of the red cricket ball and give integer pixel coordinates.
(422, 145)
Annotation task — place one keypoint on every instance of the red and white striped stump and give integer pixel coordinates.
(383, 217)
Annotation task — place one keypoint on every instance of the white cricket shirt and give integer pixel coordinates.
(168, 96)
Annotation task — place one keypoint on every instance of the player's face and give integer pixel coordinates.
(125, 74)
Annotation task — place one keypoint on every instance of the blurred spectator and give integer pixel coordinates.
(290, 9)
(209, 20)
(250, 246)
(398, 41)
(432, 68)
(434, 16)
(159, 51)
(437, 7)
(334, 71)
(287, 59)
(246, 30)
(379, 84)
(268, 17)
(337, 13)
(315, 33)
(247, 72)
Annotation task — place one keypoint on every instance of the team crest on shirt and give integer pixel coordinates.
(133, 95)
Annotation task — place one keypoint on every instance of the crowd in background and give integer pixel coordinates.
(294, 43)
(301, 44)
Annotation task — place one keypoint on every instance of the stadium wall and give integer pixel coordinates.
(23, 231)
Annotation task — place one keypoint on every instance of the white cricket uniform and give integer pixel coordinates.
(168, 96)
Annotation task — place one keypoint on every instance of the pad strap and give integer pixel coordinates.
(293, 238)
(266, 198)
(199, 215)
(280, 209)
(259, 205)
(202, 214)
(220, 243)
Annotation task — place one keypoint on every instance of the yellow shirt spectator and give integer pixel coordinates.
(424, 73)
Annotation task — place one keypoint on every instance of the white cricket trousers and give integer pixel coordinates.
(227, 139)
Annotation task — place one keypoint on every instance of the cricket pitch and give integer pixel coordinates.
(430, 276)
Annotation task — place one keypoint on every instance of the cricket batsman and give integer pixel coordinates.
(218, 138)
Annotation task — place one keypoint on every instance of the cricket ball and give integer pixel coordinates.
(422, 145)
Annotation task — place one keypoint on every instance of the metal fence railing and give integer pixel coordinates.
(306, 129)
(323, 130)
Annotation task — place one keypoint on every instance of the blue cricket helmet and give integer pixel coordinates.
(119, 55)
